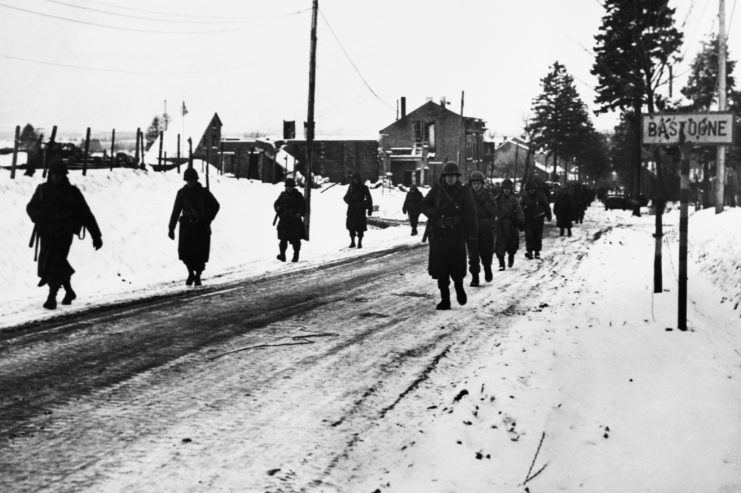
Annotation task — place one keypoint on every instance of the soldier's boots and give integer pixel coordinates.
(488, 276)
(560, 232)
(282, 256)
(501, 263)
(197, 278)
(51, 300)
(191, 276)
(569, 231)
(511, 260)
(475, 281)
(460, 293)
(360, 242)
(536, 255)
(444, 298)
(528, 255)
(295, 256)
(414, 231)
(69, 295)
(352, 242)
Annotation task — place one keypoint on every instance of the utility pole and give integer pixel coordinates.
(310, 116)
(721, 167)
(684, 195)
(462, 149)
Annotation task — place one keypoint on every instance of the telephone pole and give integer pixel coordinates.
(310, 116)
(720, 172)
(462, 149)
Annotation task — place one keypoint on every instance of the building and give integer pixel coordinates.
(173, 147)
(337, 159)
(415, 146)
(253, 158)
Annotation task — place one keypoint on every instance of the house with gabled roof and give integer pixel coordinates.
(415, 146)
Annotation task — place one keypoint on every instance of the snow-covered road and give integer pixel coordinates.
(345, 378)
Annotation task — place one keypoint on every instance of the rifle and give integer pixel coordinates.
(275, 218)
(34, 242)
(426, 234)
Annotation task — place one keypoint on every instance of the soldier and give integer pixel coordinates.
(195, 207)
(487, 210)
(452, 218)
(507, 230)
(290, 209)
(359, 201)
(413, 206)
(536, 207)
(59, 211)
(563, 208)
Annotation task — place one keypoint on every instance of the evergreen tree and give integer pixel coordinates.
(157, 126)
(560, 123)
(28, 138)
(702, 84)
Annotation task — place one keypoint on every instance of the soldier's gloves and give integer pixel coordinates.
(97, 243)
(171, 234)
(370, 212)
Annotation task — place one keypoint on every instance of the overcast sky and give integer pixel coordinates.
(112, 63)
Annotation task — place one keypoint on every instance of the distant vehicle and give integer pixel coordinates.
(616, 199)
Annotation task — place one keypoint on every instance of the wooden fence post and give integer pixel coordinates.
(136, 147)
(159, 156)
(51, 142)
(87, 151)
(113, 148)
(190, 153)
(178, 156)
(16, 141)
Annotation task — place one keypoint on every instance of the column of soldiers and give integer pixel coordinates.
(467, 223)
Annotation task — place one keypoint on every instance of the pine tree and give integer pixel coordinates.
(560, 123)
(153, 131)
(28, 137)
(702, 84)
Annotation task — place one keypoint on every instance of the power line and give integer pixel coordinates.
(158, 12)
(352, 62)
(118, 71)
(175, 21)
(122, 28)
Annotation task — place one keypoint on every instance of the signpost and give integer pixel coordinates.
(684, 130)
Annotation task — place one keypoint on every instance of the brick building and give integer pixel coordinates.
(338, 159)
(415, 146)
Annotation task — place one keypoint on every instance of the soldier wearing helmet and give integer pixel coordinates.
(290, 207)
(507, 227)
(536, 207)
(452, 219)
(487, 210)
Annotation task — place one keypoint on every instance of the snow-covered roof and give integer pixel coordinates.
(193, 125)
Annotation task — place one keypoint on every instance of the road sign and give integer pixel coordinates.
(699, 128)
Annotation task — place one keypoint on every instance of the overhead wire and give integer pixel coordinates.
(357, 70)
(169, 21)
(132, 29)
(158, 12)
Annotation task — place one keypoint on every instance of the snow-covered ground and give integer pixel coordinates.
(593, 389)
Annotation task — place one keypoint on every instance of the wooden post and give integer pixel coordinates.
(208, 156)
(178, 155)
(221, 156)
(462, 143)
(720, 165)
(16, 141)
(190, 153)
(159, 156)
(141, 141)
(136, 147)
(113, 148)
(310, 118)
(87, 152)
(684, 196)
(51, 142)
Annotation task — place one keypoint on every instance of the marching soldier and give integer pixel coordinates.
(59, 211)
(290, 209)
(486, 208)
(195, 208)
(453, 223)
(507, 230)
(413, 206)
(536, 207)
(359, 201)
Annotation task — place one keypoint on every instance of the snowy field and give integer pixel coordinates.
(587, 387)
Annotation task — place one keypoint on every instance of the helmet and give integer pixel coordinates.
(476, 176)
(290, 182)
(507, 183)
(190, 174)
(57, 166)
(450, 168)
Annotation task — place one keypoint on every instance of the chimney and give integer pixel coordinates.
(403, 107)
